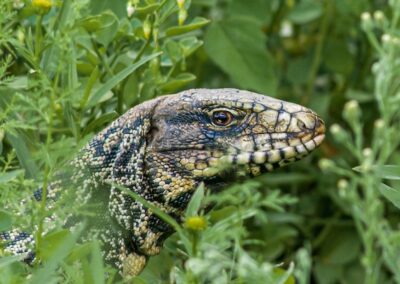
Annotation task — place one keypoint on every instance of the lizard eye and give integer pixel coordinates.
(222, 118)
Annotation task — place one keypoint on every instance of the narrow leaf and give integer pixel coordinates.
(104, 119)
(178, 82)
(385, 171)
(388, 171)
(9, 176)
(237, 46)
(96, 264)
(5, 221)
(391, 194)
(164, 216)
(195, 201)
(112, 82)
(197, 23)
(18, 142)
(7, 260)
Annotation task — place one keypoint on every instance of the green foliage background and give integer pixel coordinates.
(68, 68)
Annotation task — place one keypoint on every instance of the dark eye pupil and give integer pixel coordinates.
(221, 117)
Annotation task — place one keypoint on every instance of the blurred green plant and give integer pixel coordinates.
(68, 68)
(361, 191)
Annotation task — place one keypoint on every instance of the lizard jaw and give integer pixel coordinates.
(261, 161)
(267, 160)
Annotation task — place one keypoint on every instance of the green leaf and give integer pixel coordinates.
(117, 7)
(7, 260)
(343, 61)
(306, 11)
(96, 264)
(360, 96)
(100, 122)
(173, 50)
(385, 171)
(256, 10)
(197, 23)
(5, 221)
(178, 82)
(237, 46)
(109, 28)
(195, 202)
(78, 252)
(53, 242)
(9, 176)
(89, 86)
(164, 216)
(91, 23)
(328, 273)
(189, 45)
(341, 246)
(143, 11)
(18, 142)
(391, 194)
(113, 81)
(220, 214)
(296, 69)
(388, 171)
(18, 83)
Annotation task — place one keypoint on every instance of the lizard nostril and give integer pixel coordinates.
(301, 125)
(320, 125)
(310, 122)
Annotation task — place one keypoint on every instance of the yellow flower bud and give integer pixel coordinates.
(58, 107)
(180, 3)
(130, 9)
(379, 124)
(196, 223)
(342, 184)
(379, 16)
(386, 38)
(182, 16)
(147, 28)
(366, 16)
(338, 133)
(290, 3)
(352, 112)
(367, 152)
(42, 6)
(335, 129)
(326, 164)
(366, 21)
(21, 35)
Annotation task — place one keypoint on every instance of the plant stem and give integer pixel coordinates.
(38, 37)
(318, 52)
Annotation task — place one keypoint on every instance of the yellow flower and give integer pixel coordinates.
(196, 223)
(43, 6)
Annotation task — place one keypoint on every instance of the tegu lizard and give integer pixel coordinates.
(163, 149)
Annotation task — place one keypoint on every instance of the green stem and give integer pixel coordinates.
(38, 37)
(42, 209)
(195, 240)
(101, 57)
(318, 53)
(120, 96)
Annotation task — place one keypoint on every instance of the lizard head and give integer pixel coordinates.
(201, 131)
(162, 149)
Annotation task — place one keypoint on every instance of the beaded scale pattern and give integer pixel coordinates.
(162, 150)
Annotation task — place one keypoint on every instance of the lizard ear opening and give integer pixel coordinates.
(152, 135)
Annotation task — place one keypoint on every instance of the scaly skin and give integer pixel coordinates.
(164, 148)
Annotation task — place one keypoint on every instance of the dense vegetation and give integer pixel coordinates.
(68, 68)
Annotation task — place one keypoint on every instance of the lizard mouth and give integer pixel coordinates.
(273, 156)
(265, 160)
